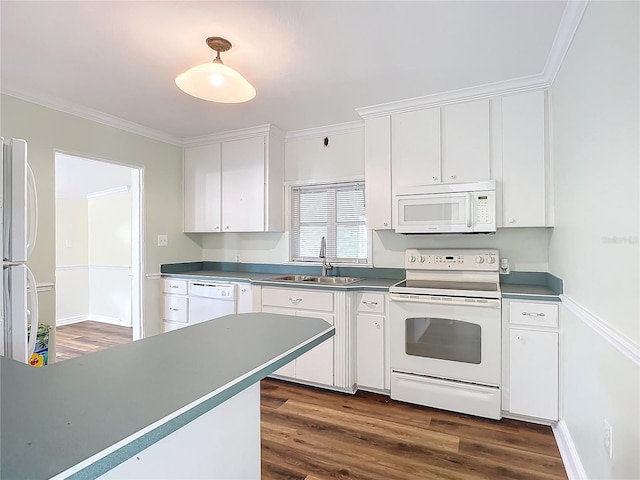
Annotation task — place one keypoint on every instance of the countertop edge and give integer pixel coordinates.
(106, 460)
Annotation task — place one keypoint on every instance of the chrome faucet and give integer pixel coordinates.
(323, 255)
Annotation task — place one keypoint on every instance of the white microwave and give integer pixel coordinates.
(447, 208)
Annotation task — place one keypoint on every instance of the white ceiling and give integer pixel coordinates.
(312, 63)
(78, 177)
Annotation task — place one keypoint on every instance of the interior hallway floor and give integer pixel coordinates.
(85, 337)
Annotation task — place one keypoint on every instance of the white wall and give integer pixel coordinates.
(48, 130)
(308, 159)
(594, 246)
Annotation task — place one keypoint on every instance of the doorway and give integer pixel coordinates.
(98, 251)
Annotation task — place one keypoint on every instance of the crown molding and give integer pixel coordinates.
(231, 135)
(319, 132)
(523, 84)
(567, 29)
(93, 115)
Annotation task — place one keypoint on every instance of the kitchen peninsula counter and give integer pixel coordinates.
(82, 417)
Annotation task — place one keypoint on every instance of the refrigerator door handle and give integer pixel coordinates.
(32, 211)
(32, 312)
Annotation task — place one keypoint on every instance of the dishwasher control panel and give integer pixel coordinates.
(223, 291)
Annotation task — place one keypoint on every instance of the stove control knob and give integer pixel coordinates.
(412, 259)
(479, 260)
(421, 259)
(491, 260)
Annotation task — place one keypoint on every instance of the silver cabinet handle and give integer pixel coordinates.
(370, 304)
(533, 314)
(173, 286)
(295, 301)
(174, 309)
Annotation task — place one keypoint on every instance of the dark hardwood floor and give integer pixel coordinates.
(86, 337)
(312, 434)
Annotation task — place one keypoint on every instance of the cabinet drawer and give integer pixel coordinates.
(171, 285)
(298, 299)
(371, 303)
(175, 309)
(534, 314)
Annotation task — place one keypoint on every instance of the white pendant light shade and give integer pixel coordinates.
(215, 81)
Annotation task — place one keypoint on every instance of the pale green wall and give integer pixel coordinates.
(72, 242)
(110, 230)
(48, 130)
(595, 118)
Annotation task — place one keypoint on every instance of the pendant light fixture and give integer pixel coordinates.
(215, 81)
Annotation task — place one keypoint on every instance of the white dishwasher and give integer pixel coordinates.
(209, 300)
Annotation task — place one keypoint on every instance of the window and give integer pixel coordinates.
(334, 211)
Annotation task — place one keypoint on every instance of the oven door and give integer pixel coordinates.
(445, 337)
(434, 213)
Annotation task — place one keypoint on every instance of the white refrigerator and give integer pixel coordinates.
(19, 298)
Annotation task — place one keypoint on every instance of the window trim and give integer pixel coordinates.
(289, 186)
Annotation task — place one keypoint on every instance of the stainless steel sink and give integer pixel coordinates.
(313, 279)
(332, 280)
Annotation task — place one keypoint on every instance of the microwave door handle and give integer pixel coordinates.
(469, 202)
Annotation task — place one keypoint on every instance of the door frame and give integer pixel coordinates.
(137, 238)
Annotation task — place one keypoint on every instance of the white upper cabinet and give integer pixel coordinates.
(235, 185)
(448, 144)
(377, 172)
(202, 188)
(525, 201)
(415, 148)
(465, 149)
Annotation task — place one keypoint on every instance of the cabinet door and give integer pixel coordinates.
(415, 148)
(370, 351)
(377, 172)
(288, 370)
(202, 188)
(243, 184)
(316, 365)
(533, 373)
(466, 142)
(524, 160)
(244, 299)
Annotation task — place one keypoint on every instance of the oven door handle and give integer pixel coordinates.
(396, 297)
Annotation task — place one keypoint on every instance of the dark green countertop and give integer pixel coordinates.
(56, 417)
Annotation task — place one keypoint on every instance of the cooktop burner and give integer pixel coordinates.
(448, 285)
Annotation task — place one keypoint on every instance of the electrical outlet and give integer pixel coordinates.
(163, 240)
(608, 438)
(237, 258)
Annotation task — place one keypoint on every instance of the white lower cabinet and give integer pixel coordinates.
(175, 304)
(371, 335)
(316, 365)
(530, 379)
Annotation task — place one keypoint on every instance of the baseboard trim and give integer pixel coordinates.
(69, 320)
(93, 318)
(568, 452)
(618, 341)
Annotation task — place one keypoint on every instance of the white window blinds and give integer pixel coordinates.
(334, 211)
